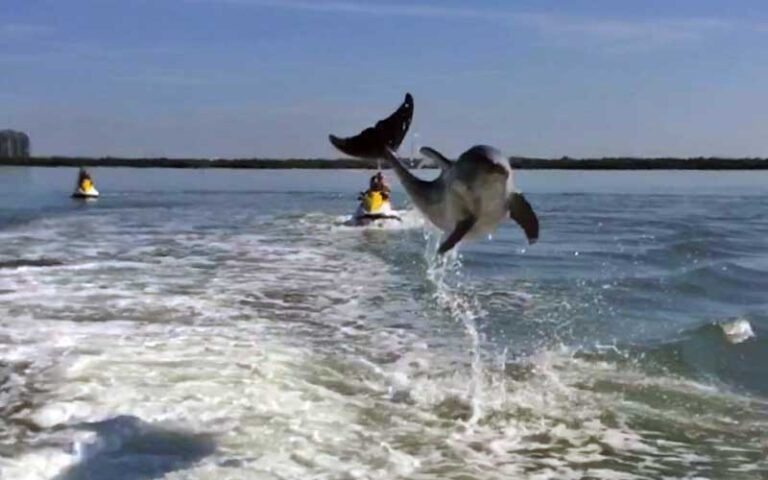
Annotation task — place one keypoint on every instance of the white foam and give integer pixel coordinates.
(737, 331)
(409, 220)
(279, 344)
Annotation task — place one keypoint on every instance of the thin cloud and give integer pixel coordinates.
(686, 29)
(13, 31)
(378, 9)
(184, 78)
(621, 36)
(51, 50)
(655, 32)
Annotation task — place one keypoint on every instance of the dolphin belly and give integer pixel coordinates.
(490, 205)
(488, 220)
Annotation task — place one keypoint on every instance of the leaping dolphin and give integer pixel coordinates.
(469, 198)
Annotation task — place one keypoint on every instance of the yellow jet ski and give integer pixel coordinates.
(374, 207)
(85, 187)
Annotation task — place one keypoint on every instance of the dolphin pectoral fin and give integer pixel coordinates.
(522, 212)
(437, 157)
(457, 234)
(387, 134)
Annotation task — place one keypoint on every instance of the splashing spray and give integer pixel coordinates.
(444, 272)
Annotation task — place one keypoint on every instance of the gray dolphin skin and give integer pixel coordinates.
(470, 197)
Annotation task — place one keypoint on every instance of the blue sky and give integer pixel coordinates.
(244, 78)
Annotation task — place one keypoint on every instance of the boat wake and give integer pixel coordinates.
(407, 220)
(280, 346)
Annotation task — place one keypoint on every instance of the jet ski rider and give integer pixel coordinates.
(377, 184)
(84, 180)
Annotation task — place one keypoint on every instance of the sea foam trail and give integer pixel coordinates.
(231, 358)
(276, 347)
(409, 220)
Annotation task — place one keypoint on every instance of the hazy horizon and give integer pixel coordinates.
(271, 78)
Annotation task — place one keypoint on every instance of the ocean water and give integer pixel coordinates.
(196, 324)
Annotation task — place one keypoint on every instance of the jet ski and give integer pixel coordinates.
(85, 187)
(374, 208)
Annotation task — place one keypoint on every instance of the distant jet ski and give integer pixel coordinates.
(85, 187)
(374, 208)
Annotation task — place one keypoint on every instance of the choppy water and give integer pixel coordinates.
(221, 324)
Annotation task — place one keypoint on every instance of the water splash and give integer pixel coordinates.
(444, 272)
(737, 331)
(409, 220)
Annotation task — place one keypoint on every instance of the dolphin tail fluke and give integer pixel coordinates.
(375, 142)
(522, 213)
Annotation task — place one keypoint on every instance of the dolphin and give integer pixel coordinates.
(470, 197)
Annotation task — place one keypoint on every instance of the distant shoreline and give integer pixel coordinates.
(319, 163)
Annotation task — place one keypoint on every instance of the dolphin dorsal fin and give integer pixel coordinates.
(437, 157)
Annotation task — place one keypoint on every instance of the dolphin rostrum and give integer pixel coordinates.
(471, 195)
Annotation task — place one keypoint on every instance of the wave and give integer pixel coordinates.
(306, 351)
(33, 262)
(706, 352)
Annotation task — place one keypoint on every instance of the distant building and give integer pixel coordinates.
(13, 144)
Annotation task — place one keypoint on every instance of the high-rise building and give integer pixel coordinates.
(14, 144)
